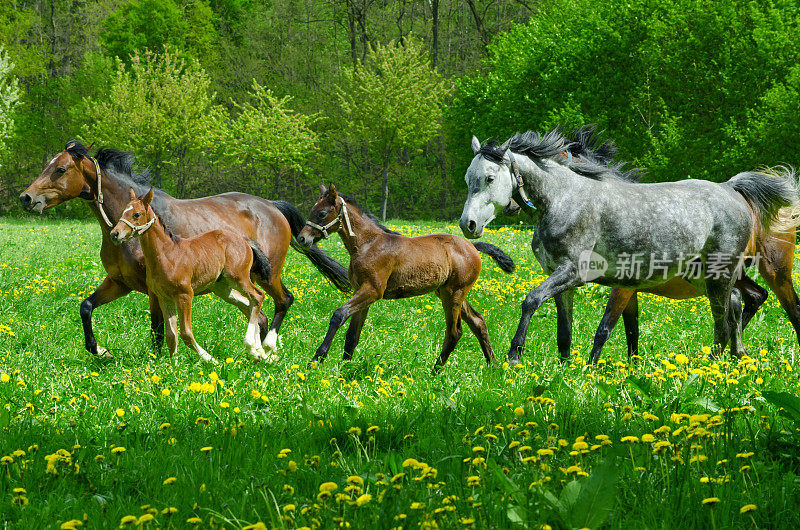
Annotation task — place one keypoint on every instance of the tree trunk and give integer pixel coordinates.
(385, 187)
(435, 31)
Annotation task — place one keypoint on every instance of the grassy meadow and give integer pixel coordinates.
(673, 440)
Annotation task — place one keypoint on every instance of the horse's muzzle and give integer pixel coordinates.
(304, 241)
(470, 228)
(31, 205)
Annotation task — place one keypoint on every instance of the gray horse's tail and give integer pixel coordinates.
(773, 195)
(329, 267)
(261, 265)
(503, 260)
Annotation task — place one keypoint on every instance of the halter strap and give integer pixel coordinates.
(99, 199)
(341, 217)
(518, 193)
(140, 229)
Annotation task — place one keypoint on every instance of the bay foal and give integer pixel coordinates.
(388, 265)
(218, 261)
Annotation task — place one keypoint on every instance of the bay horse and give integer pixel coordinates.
(178, 269)
(579, 213)
(388, 265)
(104, 180)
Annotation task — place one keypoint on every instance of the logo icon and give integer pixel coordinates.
(591, 265)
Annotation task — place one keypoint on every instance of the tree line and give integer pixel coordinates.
(381, 97)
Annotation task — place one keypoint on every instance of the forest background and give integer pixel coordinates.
(382, 96)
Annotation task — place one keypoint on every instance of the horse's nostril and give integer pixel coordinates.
(25, 199)
(471, 226)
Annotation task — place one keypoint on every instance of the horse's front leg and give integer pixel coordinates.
(564, 277)
(108, 291)
(360, 301)
(564, 323)
(184, 307)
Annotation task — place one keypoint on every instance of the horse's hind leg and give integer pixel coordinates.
(184, 306)
(250, 306)
(735, 323)
(617, 303)
(283, 300)
(451, 302)
(718, 292)
(564, 277)
(564, 323)
(753, 295)
(108, 291)
(477, 324)
(779, 279)
(354, 333)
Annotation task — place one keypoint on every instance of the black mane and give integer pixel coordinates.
(352, 202)
(111, 160)
(491, 151)
(589, 159)
(122, 162)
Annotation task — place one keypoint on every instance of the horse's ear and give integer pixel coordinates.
(332, 191)
(476, 145)
(148, 198)
(504, 146)
(132, 194)
(322, 189)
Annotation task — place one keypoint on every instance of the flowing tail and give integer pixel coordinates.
(329, 267)
(773, 195)
(503, 260)
(261, 265)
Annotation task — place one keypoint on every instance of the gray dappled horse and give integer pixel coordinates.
(582, 216)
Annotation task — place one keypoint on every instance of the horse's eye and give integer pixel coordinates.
(489, 179)
(61, 170)
(323, 213)
(136, 215)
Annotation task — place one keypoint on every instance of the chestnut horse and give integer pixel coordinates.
(388, 265)
(217, 261)
(104, 182)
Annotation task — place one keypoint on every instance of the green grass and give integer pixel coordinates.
(472, 441)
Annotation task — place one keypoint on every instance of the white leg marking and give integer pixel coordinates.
(271, 341)
(239, 297)
(205, 356)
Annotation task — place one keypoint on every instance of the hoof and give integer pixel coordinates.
(103, 353)
(513, 361)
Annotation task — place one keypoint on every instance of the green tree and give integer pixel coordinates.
(265, 135)
(674, 83)
(392, 101)
(157, 107)
(152, 24)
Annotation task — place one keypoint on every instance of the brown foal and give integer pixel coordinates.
(218, 261)
(387, 265)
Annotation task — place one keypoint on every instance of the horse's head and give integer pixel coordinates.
(136, 218)
(324, 216)
(61, 180)
(490, 187)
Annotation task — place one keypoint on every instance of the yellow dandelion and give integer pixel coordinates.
(748, 508)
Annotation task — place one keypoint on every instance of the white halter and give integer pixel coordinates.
(342, 216)
(137, 230)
